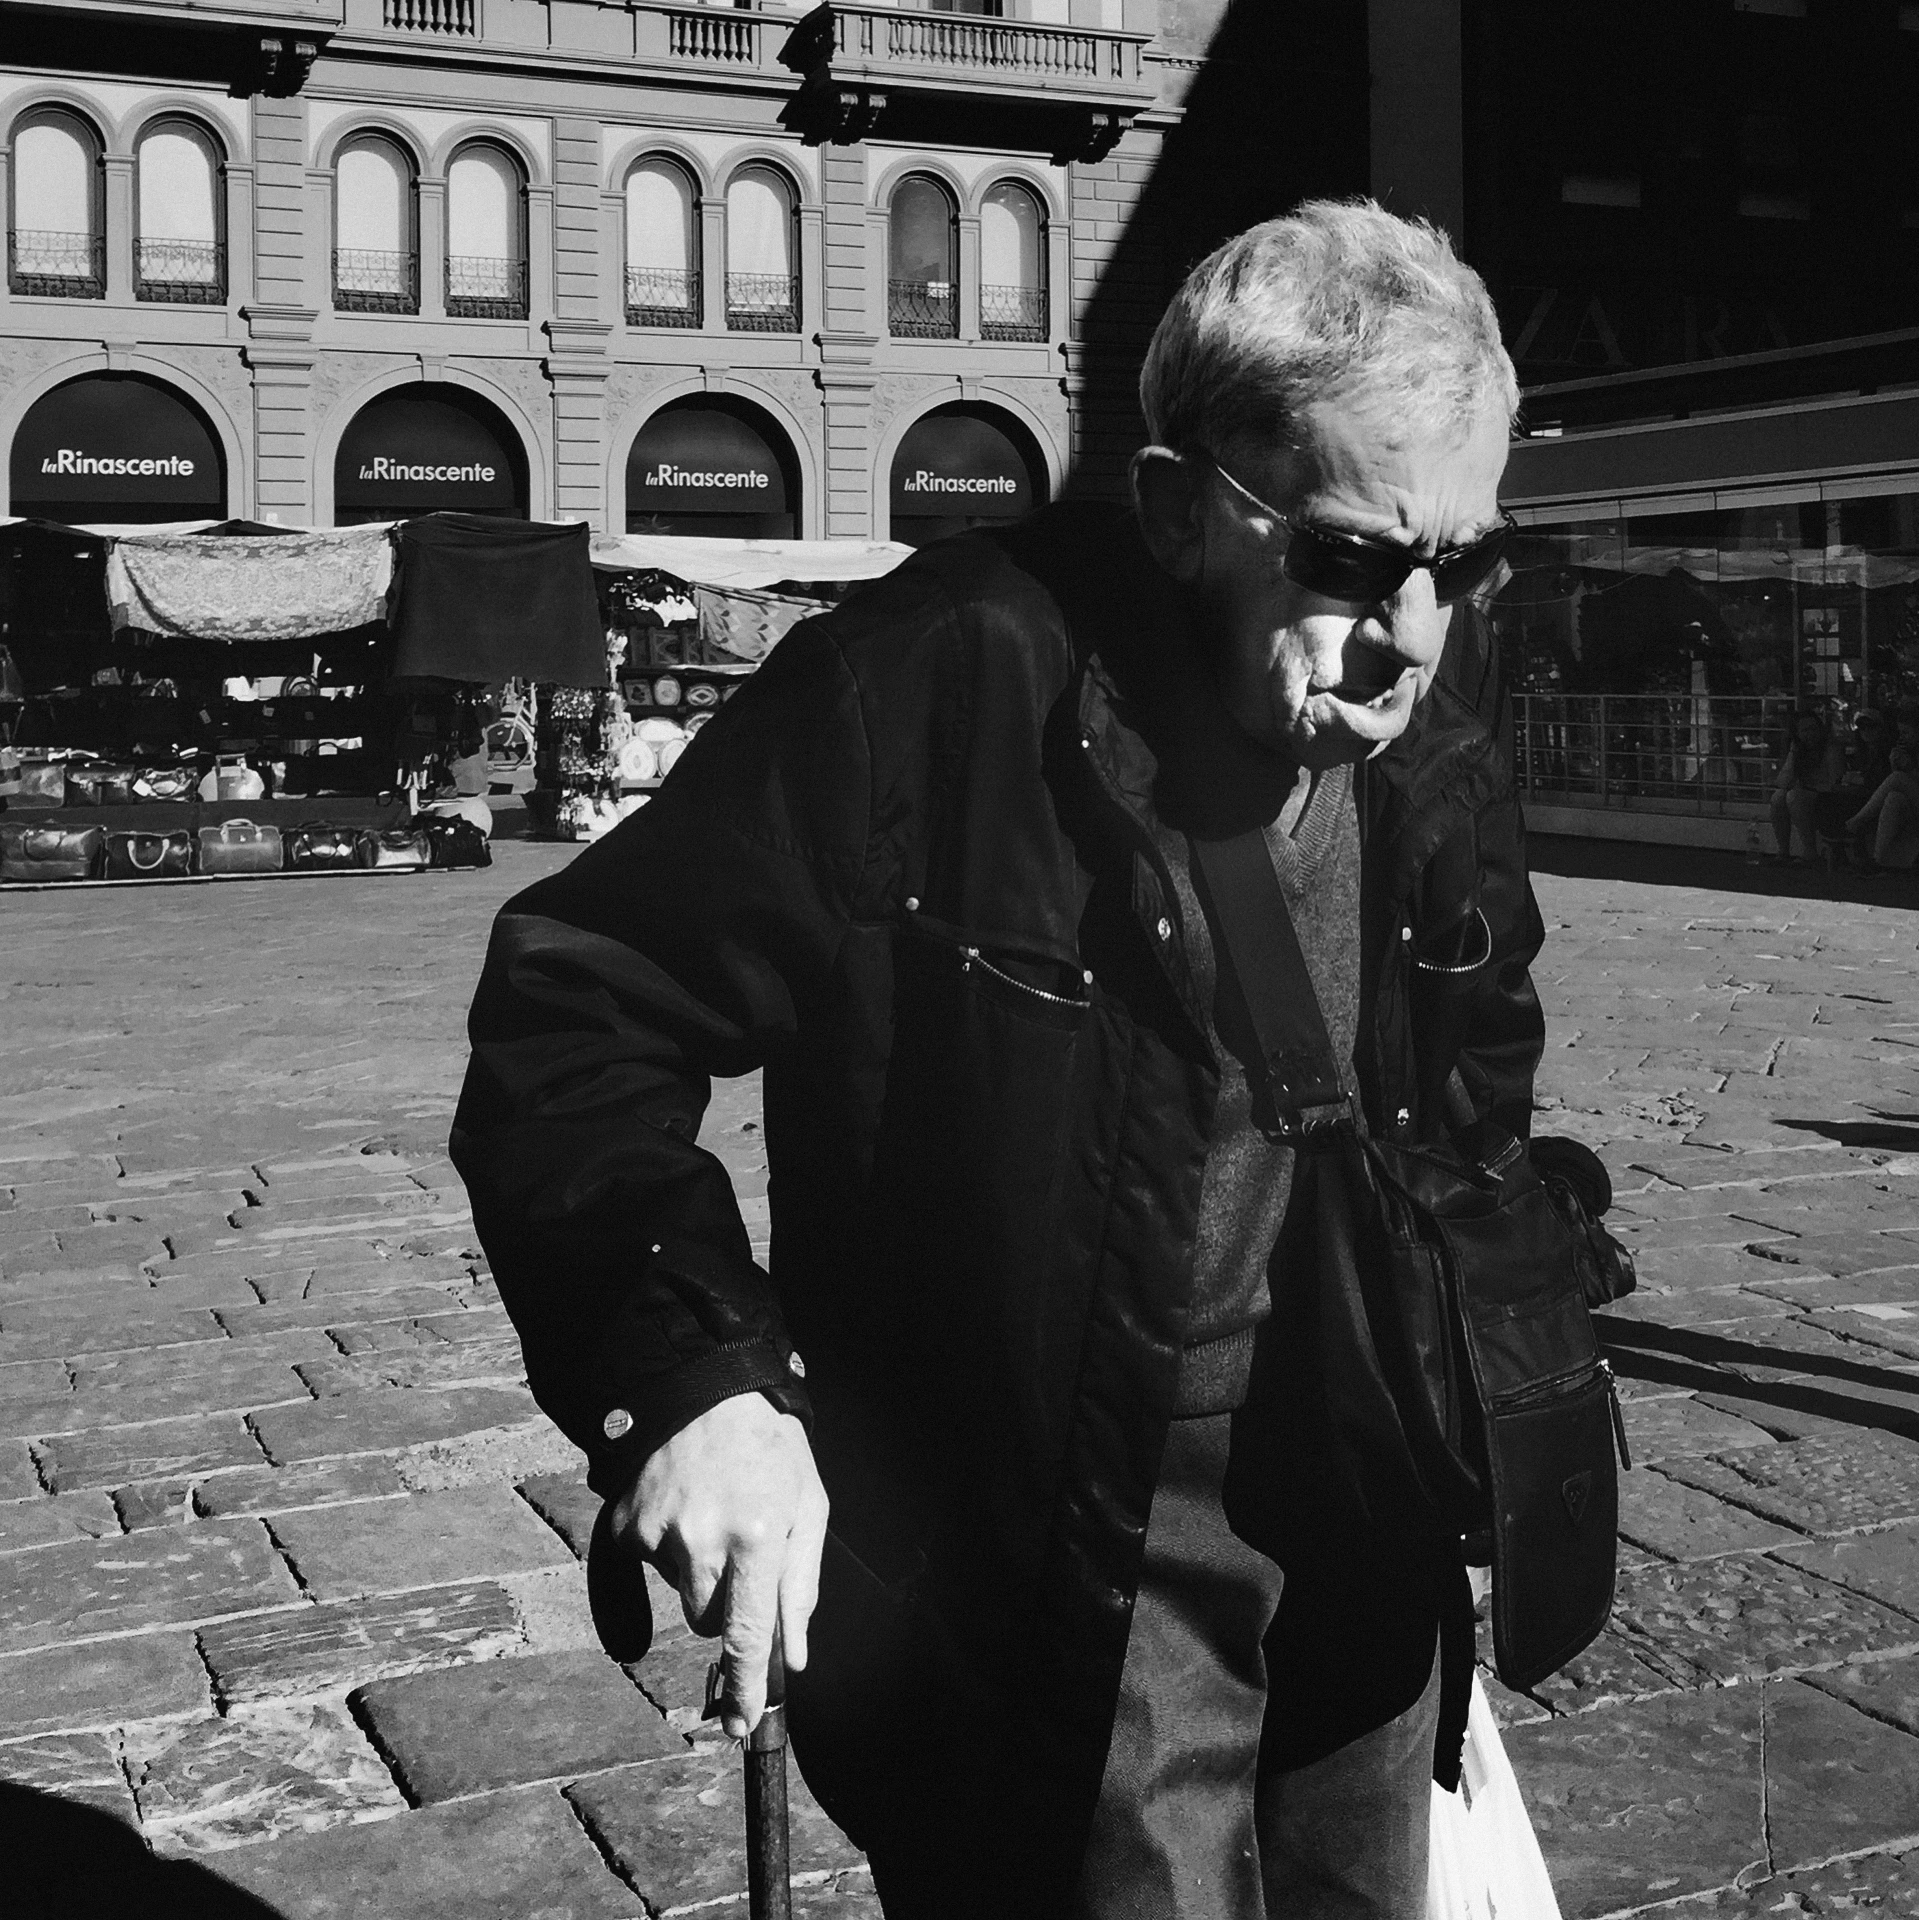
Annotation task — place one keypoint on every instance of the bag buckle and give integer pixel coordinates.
(1311, 1123)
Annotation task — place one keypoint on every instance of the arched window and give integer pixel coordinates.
(922, 272)
(762, 278)
(485, 236)
(662, 247)
(1012, 264)
(376, 254)
(179, 233)
(55, 242)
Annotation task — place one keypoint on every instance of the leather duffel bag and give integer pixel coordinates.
(317, 846)
(98, 785)
(455, 841)
(50, 853)
(396, 849)
(149, 856)
(238, 846)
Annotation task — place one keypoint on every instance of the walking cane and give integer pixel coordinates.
(623, 1618)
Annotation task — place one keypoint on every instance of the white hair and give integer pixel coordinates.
(1339, 301)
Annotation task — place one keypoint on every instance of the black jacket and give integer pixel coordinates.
(906, 872)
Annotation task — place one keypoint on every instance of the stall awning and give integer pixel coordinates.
(749, 564)
(958, 465)
(245, 587)
(115, 447)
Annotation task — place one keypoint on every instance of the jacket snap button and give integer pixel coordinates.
(912, 903)
(1165, 928)
(617, 1424)
(796, 1366)
(1403, 1117)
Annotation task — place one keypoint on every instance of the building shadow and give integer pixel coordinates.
(1883, 1131)
(1704, 1362)
(1278, 113)
(65, 1860)
(1712, 870)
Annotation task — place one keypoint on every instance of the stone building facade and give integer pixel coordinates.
(147, 302)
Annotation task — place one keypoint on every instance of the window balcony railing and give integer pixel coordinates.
(1012, 313)
(59, 266)
(482, 288)
(180, 273)
(368, 280)
(663, 297)
(762, 303)
(922, 309)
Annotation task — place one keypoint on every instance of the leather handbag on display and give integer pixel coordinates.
(238, 846)
(316, 846)
(164, 783)
(40, 784)
(455, 841)
(13, 688)
(149, 856)
(230, 778)
(1430, 1361)
(395, 849)
(96, 783)
(50, 853)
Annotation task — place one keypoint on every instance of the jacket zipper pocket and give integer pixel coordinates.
(972, 957)
(1567, 1386)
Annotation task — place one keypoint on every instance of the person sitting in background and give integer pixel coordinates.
(1810, 768)
(1867, 762)
(1891, 816)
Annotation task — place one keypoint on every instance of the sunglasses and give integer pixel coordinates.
(1348, 566)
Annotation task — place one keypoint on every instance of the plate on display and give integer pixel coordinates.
(703, 694)
(666, 691)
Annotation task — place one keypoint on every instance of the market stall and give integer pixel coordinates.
(335, 677)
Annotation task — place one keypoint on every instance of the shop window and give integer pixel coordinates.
(55, 235)
(922, 274)
(485, 236)
(1012, 250)
(662, 247)
(376, 257)
(1599, 190)
(762, 281)
(179, 250)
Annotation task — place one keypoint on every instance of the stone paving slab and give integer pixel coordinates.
(88, 1587)
(1669, 1518)
(385, 1418)
(490, 1358)
(101, 1683)
(82, 1767)
(55, 1517)
(1660, 1428)
(312, 1483)
(567, 1505)
(676, 1828)
(59, 1332)
(416, 1540)
(504, 1856)
(18, 1479)
(1883, 1566)
(336, 1316)
(1886, 1883)
(1749, 1615)
(472, 1729)
(1824, 1484)
(114, 1456)
(326, 1647)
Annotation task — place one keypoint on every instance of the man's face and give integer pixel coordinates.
(1325, 680)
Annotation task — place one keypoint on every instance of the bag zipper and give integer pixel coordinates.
(1618, 1416)
(972, 957)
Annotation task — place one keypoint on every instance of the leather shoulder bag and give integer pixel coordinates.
(149, 856)
(1437, 1369)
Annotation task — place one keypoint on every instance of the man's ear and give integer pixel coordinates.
(1168, 491)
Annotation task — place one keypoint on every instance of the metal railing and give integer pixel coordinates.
(369, 280)
(431, 16)
(922, 309)
(663, 297)
(1012, 313)
(180, 273)
(59, 266)
(481, 287)
(1012, 48)
(1655, 752)
(762, 303)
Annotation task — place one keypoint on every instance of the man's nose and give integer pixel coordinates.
(1411, 624)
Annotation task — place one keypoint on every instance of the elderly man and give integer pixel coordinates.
(934, 871)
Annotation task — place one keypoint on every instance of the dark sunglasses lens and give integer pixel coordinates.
(1458, 574)
(1343, 570)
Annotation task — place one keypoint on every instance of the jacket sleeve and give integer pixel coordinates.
(693, 941)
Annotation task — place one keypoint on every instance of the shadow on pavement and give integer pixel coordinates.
(1711, 869)
(1881, 1132)
(67, 1861)
(1703, 1362)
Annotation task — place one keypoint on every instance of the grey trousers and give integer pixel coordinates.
(1190, 1825)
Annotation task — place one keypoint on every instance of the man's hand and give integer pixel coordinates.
(732, 1510)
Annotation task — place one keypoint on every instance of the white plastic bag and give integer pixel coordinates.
(1485, 1862)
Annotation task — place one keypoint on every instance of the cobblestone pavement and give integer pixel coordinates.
(292, 1619)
